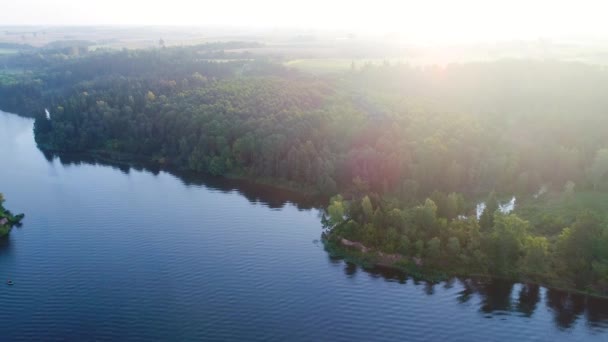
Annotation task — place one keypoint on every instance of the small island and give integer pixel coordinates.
(7, 219)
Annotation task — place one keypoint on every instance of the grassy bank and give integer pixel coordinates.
(407, 266)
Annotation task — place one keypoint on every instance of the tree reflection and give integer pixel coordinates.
(597, 313)
(501, 297)
(5, 246)
(468, 290)
(429, 288)
(272, 197)
(529, 297)
(350, 269)
(496, 296)
(566, 307)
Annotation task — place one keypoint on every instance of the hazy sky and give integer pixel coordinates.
(425, 19)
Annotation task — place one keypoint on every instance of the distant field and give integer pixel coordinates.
(328, 65)
(320, 65)
(321, 52)
(4, 51)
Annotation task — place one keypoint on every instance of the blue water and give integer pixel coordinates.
(116, 253)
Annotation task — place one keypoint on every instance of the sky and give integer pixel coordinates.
(448, 20)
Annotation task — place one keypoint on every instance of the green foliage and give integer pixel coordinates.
(453, 246)
(329, 133)
(577, 258)
(455, 205)
(536, 259)
(506, 243)
(405, 245)
(425, 216)
(7, 219)
(336, 211)
(405, 145)
(433, 249)
(486, 221)
(599, 169)
(368, 209)
(580, 248)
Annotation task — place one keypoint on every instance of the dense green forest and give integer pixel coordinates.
(7, 219)
(410, 150)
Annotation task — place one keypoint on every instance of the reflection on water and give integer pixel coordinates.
(567, 308)
(495, 298)
(5, 247)
(529, 296)
(272, 197)
(118, 252)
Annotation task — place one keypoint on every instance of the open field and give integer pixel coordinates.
(5, 51)
(310, 51)
(321, 65)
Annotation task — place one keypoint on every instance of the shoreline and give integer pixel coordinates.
(130, 160)
(368, 260)
(371, 259)
(364, 260)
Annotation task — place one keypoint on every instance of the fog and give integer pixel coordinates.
(434, 21)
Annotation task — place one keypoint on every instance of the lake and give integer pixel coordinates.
(120, 253)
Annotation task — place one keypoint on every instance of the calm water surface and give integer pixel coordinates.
(109, 253)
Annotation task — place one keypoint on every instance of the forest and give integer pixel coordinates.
(406, 153)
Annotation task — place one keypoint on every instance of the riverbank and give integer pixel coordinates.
(358, 254)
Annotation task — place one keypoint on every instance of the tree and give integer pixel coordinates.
(568, 165)
(536, 255)
(336, 211)
(419, 247)
(569, 188)
(486, 221)
(575, 248)
(433, 249)
(368, 209)
(453, 246)
(600, 264)
(599, 169)
(150, 96)
(425, 216)
(405, 245)
(454, 205)
(440, 200)
(507, 242)
(392, 242)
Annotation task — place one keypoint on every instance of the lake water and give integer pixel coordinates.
(109, 253)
